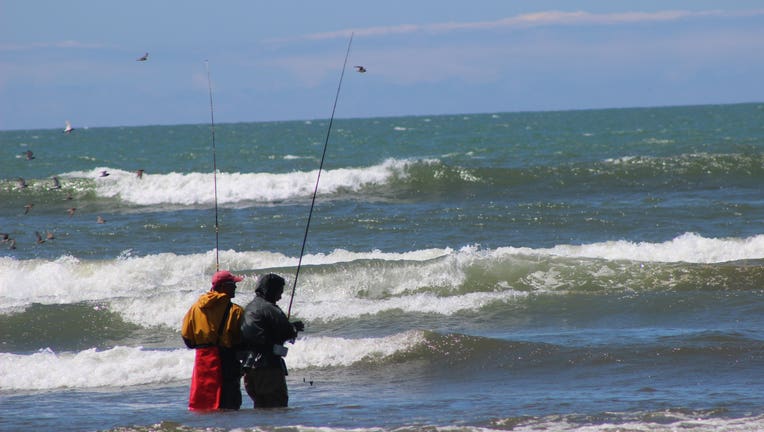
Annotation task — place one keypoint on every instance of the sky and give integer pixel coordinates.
(272, 61)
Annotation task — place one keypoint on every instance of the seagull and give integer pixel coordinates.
(21, 182)
(68, 129)
(100, 220)
(28, 207)
(360, 69)
(39, 237)
(71, 211)
(29, 155)
(143, 57)
(56, 183)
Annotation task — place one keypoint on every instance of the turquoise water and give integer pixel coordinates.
(561, 270)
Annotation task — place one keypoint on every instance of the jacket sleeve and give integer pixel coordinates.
(265, 326)
(284, 329)
(187, 329)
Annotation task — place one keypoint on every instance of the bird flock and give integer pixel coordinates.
(55, 185)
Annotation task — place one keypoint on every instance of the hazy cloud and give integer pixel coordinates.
(64, 44)
(547, 18)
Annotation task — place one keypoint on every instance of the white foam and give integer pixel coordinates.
(116, 367)
(70, 280)
(331, 352)
(294, 157)
(417, 303)
(688, 247)
(197, 188)
(131, 366)
(156, 290)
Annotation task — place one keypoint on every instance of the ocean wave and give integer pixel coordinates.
(62, 326)
(197, 188)
(132, 366)
(393, 178)
(688, 247)
(116, 367)
(156, 290)
(122, 366)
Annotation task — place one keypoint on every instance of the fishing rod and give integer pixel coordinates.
(214, 169)
(318, 178)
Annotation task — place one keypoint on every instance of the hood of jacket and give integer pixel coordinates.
(270, 287)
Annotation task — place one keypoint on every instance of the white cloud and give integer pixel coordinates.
(537, 19)
(629, 55)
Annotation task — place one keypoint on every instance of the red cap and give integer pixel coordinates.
(224, 276)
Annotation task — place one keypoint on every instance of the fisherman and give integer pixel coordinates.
(264, 330)
(212, 327)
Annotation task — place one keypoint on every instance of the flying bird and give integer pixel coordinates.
(21, 183)
(56, 183)
(5, 237)
(104, 173)
(100, 220)
(13, 244)
(39, 237)
(143, 57)
(28, 207)
(139, 173)
(49, 236)
(29, 155)
(71, 211)
(360, 69)
(68, 129)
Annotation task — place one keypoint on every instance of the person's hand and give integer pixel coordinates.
(299, 326)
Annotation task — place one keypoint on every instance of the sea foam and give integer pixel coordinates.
(156, 290)
(688, 247)
(132, 366)
(197, 188)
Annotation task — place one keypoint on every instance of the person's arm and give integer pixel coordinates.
(187, 329)
(284, 329)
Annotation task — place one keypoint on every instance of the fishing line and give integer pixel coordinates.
(318, 178)
(214, 168)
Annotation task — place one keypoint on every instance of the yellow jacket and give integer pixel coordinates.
(200, 325)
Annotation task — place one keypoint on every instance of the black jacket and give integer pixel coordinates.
(264, 325)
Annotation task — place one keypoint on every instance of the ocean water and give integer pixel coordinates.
(561, 271)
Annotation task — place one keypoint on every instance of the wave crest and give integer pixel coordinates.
(198, 188)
